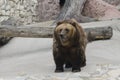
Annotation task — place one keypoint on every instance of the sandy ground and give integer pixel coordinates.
(33, 56)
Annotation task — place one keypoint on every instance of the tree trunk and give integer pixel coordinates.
(73, 9)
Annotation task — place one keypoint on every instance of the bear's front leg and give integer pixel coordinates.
(75, 60)
(59, 61)
(76, 66)
(59, 65)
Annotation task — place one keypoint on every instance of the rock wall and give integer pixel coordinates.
(23, 12)
(100, 10)
(113, 2)
(48, 9)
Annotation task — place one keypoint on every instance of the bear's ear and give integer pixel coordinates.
(75, 23)
(60, 22)
(73, 20)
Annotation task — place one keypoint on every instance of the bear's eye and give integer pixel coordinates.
(60, 30)
(67, 30)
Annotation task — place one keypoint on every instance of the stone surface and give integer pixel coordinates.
(32, 11)
(29, 11)
(113, 2)
(102, 72)
(21, 10)
(100, 10)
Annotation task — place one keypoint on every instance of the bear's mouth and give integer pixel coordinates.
(63, 38)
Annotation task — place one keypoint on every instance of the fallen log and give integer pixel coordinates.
(46, 32)
(102, 33)
(94, 30)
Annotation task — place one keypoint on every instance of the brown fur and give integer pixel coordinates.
(69, 45)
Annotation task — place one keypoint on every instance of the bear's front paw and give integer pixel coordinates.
(59, 70)
(76, 69)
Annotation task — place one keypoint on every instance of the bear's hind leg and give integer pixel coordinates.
(68, 64)
(83, 63)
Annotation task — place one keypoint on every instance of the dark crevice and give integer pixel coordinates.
(62, 2)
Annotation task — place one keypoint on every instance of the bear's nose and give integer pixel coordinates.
(61, 35)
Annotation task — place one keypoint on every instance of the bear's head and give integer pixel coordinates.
(66, 33)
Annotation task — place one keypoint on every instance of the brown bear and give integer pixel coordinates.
(69, 43)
